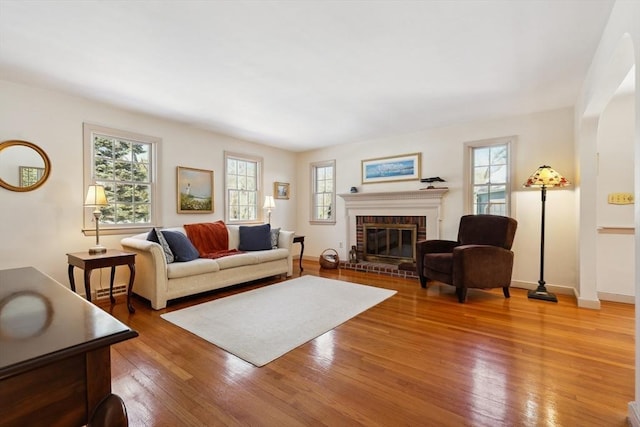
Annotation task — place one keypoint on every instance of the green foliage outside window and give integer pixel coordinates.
(123, 167)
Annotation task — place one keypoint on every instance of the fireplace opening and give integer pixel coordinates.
(391, 243)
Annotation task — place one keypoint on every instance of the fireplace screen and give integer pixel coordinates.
(393, 243)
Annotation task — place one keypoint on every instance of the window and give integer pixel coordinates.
(124, 163)
(489, 177)
(29, 175)
(243, 187)
(323, 195)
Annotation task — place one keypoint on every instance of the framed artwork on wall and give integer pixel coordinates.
(194, 190)
(281, 190)
(395, 168)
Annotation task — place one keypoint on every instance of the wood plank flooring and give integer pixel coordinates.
(417, 359)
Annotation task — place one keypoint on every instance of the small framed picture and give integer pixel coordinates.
(195, 190)
(281, 190)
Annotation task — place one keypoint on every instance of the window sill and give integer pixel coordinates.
(112, 231)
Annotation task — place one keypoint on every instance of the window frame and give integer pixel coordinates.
(89, 130)
(509, 142)
(313, 175)
(259, 187)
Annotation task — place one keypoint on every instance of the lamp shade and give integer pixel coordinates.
(545, 176)
(269, 203)
(96, 196)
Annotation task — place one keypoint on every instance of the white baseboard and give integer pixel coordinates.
(626, 299)
(634, 414)
(565, 290)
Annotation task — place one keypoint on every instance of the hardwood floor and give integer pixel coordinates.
(417, 359)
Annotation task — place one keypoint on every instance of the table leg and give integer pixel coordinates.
(113, 275)
(301, 253)
(72, 280)
(132, 275)
(87, 283)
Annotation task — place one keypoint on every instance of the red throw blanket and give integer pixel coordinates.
(211, 239)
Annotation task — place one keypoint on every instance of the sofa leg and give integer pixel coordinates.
(462, 294)
(505, 291)
(423, 281)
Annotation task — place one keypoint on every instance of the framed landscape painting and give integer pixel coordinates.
(396, 168)
(195, 190)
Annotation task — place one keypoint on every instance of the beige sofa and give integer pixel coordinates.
(159, 282)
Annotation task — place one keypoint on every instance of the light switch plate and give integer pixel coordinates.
(621, 198)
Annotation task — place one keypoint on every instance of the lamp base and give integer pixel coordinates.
(97, 250)
(542, 294)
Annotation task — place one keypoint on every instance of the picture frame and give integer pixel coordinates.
(281, 190)
(405, 167)
(194, 188)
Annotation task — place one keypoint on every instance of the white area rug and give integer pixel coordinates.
(263, 324)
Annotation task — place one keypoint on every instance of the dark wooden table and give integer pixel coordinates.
(55, 360)
(112, 258)
(300, 239)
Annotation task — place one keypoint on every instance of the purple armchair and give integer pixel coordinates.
(480, 258)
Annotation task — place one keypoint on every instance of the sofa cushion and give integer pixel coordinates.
(255, 238)
(192, 268)
(183, 250)
(156, 236)
(270, 255)
(275, 235)
(237, 260)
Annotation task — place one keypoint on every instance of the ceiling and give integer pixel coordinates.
(304, 74)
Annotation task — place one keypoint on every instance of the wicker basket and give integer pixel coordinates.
(329, 259)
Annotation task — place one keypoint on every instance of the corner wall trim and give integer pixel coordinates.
(634, 414)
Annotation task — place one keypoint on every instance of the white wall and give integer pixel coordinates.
(615, 249)
(41, 226)
(542, 138)
(619, 48)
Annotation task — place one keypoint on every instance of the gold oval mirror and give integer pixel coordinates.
(23, 166)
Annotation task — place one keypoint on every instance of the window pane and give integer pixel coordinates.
(103, 147)
(143, 213)
(142, 194)
(328, 186)
(481, 156)
(103, 169)
(140, 153)
(499, 154)
(123, 171)
(498, 173)
(481, 175)
(122, 150)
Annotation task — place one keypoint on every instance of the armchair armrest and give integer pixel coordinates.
(428, 247)
(482, 266)
(435, 246)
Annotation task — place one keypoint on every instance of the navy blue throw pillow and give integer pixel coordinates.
(255, 238)
(182, 248)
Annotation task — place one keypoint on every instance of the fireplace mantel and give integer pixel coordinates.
(426, 203)
(434, 193)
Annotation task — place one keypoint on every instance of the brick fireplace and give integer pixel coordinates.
(420, 207)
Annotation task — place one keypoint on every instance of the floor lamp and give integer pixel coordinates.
(543, 178)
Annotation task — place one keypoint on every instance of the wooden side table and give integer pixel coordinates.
(300, 239)
(111, 258)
